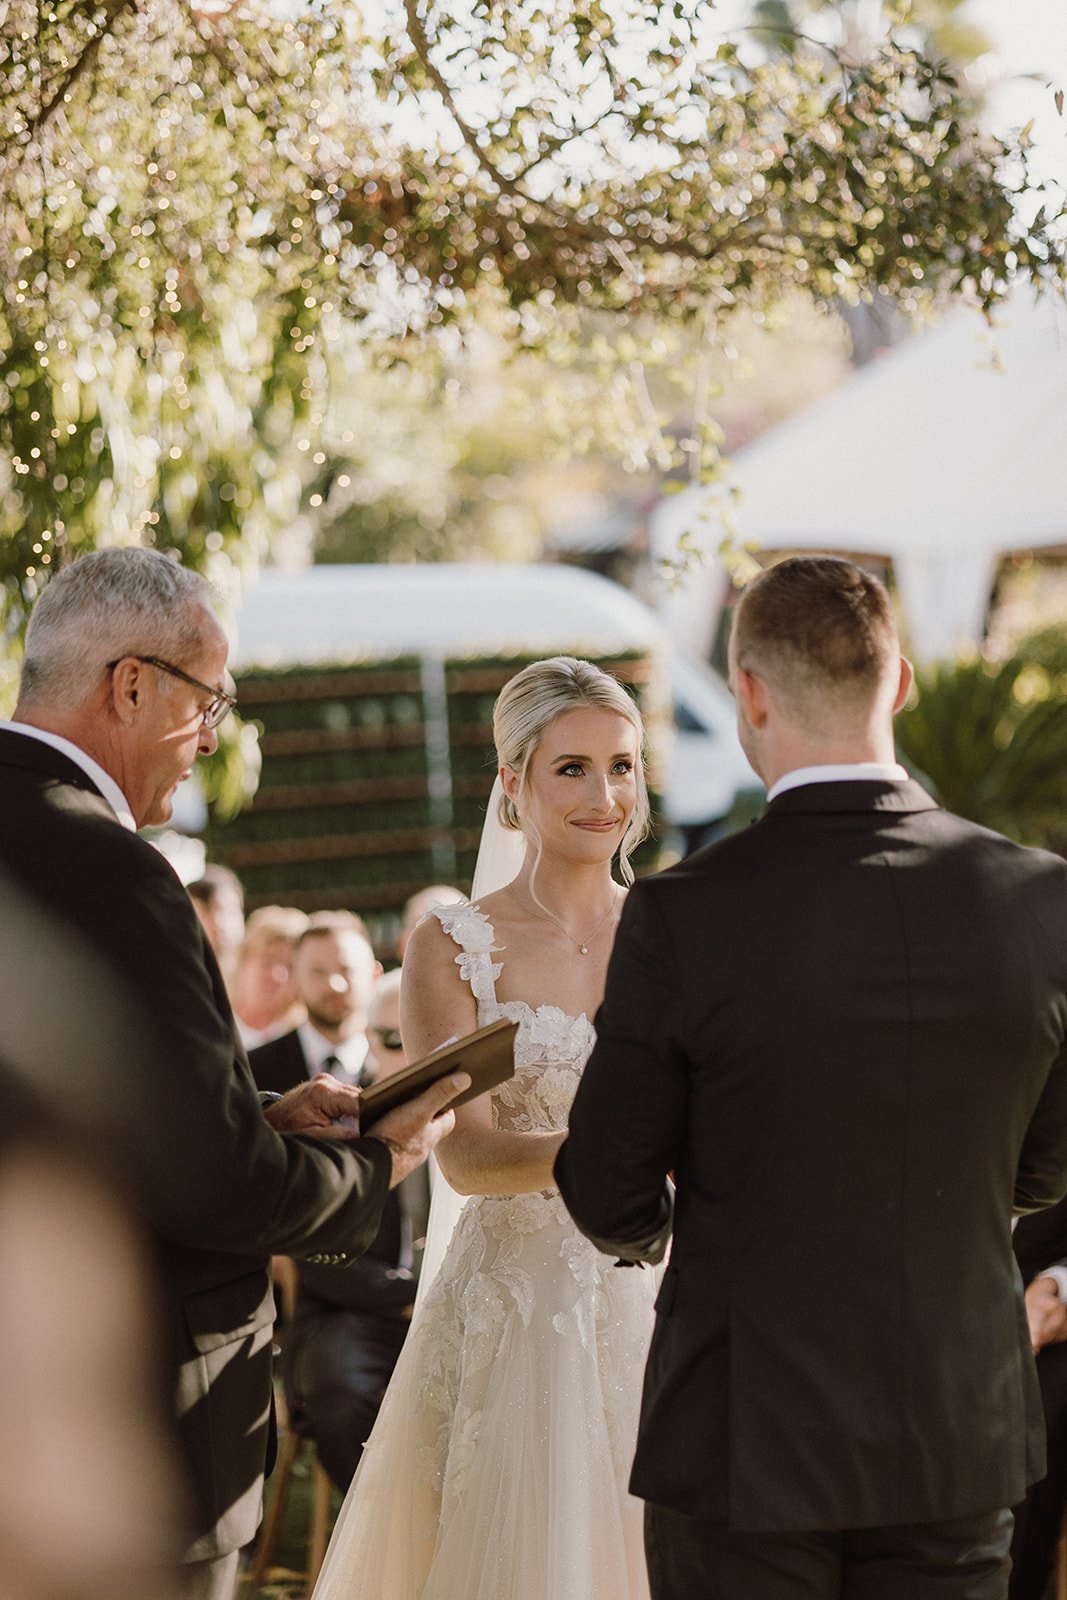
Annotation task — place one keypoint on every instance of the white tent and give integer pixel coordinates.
(943, 455)
(352, 613)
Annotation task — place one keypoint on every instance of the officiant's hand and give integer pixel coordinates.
(1046, 1313)
(323, 1107)
(415, 1128)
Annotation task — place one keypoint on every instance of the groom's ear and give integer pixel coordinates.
(907, 678)
(752, 694)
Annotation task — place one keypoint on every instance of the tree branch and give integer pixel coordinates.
(113, 10)
(422, 49)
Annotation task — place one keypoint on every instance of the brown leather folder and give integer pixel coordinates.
(488, 1055)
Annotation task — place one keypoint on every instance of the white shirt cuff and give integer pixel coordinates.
(1058, 1274)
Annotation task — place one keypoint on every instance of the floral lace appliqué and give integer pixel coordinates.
(473, 932)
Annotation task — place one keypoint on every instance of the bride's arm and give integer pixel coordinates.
(435, 1005)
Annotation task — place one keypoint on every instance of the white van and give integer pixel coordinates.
(342, 614)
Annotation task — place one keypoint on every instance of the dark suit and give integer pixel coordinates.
(349, 1322)
(280, 1064)
(220, 1190)
(349, 1327)
(843, 1031)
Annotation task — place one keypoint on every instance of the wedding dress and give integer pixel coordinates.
(498, 1465)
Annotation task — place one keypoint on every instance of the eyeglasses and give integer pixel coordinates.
(389, 1038)
(219, 703)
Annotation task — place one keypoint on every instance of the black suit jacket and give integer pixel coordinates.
(220, 1190)
(1040, 1240)
(280, 1064)
(372, 1284)
(843, 1031)
(369, 1283)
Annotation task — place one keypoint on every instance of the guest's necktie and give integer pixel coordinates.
(333, 1065)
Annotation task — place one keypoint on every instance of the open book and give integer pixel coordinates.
(488, 1055)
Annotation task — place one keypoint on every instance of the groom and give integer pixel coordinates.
(842, 1031)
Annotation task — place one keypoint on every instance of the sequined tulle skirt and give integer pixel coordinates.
(497, 1468)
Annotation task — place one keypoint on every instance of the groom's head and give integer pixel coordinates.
(815, 666)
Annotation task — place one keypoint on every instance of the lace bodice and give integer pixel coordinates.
(551, 1048)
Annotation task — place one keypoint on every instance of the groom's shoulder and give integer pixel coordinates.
(956, 834)
(735, 851)
(936, 832)
(948, 829)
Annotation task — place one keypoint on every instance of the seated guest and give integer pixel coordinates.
(1040, 1242)
(263, 995)
(350, 1322)
(219, 902)
(334, 973)
(438, 894)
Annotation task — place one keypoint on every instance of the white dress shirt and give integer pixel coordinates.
(1058, 1273)
(102, 780)
(351, 1053)
(839, 772)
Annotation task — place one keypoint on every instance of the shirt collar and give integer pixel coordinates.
(839, 772)
(351, 1053)
(93, 771)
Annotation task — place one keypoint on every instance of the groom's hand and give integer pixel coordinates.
(412, 1130)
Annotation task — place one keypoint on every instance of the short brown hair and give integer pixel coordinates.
(337, 923)
(269, 924)
(816, 625)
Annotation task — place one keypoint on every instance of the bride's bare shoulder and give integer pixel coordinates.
(495, 906)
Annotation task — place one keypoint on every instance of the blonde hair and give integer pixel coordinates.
(268, 924)
(533, 699)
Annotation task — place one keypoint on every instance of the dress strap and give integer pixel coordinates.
(473, 932)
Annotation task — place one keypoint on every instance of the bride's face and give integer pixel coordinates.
(581, 784)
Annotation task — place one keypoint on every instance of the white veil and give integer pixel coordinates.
(500, 855)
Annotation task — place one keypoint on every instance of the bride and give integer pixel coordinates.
(498, 1466)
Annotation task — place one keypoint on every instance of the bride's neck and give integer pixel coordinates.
(566, 888)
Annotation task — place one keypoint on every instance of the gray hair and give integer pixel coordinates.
(111, 603)
(538, 695)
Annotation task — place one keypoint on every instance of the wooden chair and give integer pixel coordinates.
(293, 1447)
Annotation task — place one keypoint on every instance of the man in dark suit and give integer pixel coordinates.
(349, 1323)
(334, 973)
(842, 1031)
(122, 688)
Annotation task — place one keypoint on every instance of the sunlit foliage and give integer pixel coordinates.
(990, 738)
(194, 201)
